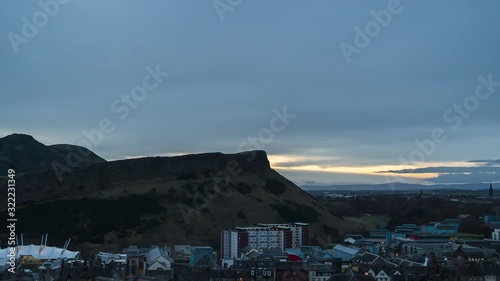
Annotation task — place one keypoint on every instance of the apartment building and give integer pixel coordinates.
(263, 236)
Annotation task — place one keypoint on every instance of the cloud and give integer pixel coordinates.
(447, 170)
(488, 171)
(486, 162)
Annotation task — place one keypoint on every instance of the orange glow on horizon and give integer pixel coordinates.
(277, 162)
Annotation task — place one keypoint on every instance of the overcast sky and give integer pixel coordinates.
(352, 118)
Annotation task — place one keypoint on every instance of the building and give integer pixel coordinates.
(158, 259)
(263, 236)
(495, 234)
(259, 268)
(387, 274)
(39, 253)
(344, 253)
(182, 256)
(382, 236)
(492, 220)
(135, 259)
(367, 260)
(201, 257)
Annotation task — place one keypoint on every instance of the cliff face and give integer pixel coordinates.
(164, 200)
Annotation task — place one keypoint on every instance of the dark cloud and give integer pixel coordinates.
(486, 162)
(447, 170)
(466, 178)
(489, 172)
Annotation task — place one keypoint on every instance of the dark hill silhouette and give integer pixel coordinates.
(25, 154)
(164, 200)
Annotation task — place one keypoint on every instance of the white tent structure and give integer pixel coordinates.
(39, 252)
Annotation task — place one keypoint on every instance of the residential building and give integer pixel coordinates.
(367, 260)
(135, 259)
(158, 260)
(182, 256)
(351, 277)
(387, 274)
(320, 272)
(263, 236)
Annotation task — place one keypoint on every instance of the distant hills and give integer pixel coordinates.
(25, 154)
(155, 200)
(396, 187)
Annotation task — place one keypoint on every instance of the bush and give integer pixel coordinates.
(187, 176)
(300, 213)
(276, 187)
(243, 188)
(90, 218)
(241, 214)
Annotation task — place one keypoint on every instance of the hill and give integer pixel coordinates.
(25, 154)
(165, 200)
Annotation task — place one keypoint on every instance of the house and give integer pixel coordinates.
(158, 264)
(135, 259)
(249, 252)
(85, 270)
(292, 271)
(351, 276)
(415, 273)
(385, 274)
(230, 274)
(469, 254)
(241, 274)
(110, 265)
(470, 271)
(320, 272)
(405, 262)
(491, 271)
(182, 255)
(367, 260)
(191, 274)
(158, 259)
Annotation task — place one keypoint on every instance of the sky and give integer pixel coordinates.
(335, 91)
